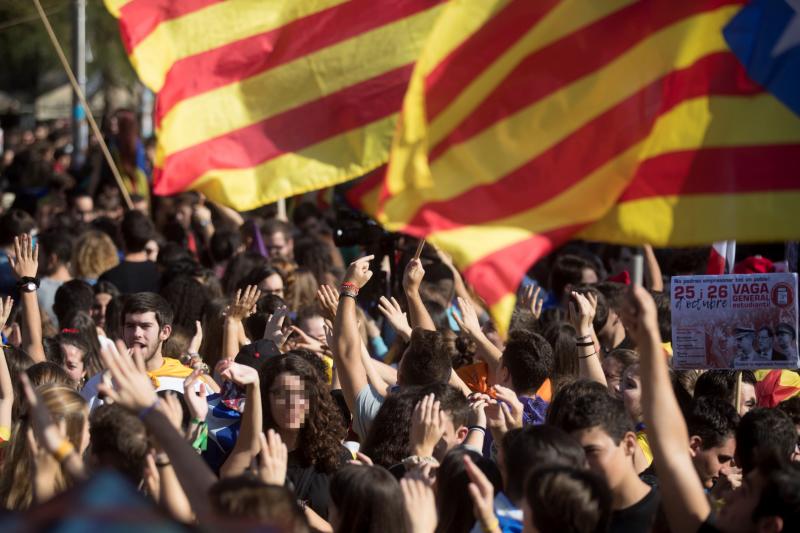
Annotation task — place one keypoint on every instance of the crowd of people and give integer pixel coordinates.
(242, 369)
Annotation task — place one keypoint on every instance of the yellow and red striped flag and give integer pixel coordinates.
(263, 99)
(528, 123)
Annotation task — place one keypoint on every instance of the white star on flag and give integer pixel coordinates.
(791, 34)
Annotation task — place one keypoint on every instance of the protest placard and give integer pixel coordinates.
(735, 321)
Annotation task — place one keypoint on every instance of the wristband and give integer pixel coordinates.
(477, 428)
(582, 337)
(64, 450)
(491, 526)
(147, 410)
(584, 344)
(587, 356)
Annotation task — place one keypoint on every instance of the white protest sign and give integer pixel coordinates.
(734, 321)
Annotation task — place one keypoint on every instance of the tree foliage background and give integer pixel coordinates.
(29, 65)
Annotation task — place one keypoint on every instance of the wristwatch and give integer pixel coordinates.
(28, 284)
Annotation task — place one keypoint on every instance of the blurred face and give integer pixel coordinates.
(151, 249)
(785, 341)
(73, 362)
(84, 209)
(605, 458)
(737, 515)
(98, 311)
(632, 393)
(279, 245)
(527, 519)
(747, 398)
(710, 462)
(588, 277)
(612, 369)
(140, 330)
(184, 215)
(764, 340)
(272, 284)
(744, 343)
(314, 327)
(289, 402)
(452, 437)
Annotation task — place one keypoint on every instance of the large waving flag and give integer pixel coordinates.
(527, 123)
(264, 99)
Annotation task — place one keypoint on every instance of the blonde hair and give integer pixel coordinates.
(64, 403)
(94, 254)
(301, 289)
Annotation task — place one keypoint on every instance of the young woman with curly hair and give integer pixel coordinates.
(93, 254)
(294, 400)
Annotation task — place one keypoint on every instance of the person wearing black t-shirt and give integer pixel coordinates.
(135, 273)
(606, 433)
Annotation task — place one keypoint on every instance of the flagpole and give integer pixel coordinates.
(82, 98)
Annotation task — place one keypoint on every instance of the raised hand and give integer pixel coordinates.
(358, 272)
(306, 342)
(6, 304)
(427, 426)
(581, 311)
(239, 374)
(481, 491)
(47, 434)
(412, 277)
(132, 387)
(510, 406)
(274, 328)
(25, 262)
(272, 461)
(420, 504)
(244, 303)
(640, 316)
(195, 396)
(468, 322)
(529, 300)
(328, 301)
(392, 312)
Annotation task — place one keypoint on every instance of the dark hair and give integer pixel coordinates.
(136, 230)
(453, 502)
(49, 373)
(14, 223)
(275, 225)
(257, 275)
(426, 360)
(593, 408)
(87, 331)
(224, 244)
(246, 498)
(601, 310)
(314, 255)
(368, 499)
(613, 292)
(713, 420)
(106, 287)
(664, 310)
(321, 435)
(188, 298)
(55, 242)
(529, 360)
(721, 383)
(119, 440)
(568, 393)
(562, 338)
(791, 407)
(72, 296)
(536, 446)
(387, 441)
(240, 267)
(145, 302)
(780, 493)
(761, 432)
(567, 270)
(564, 498)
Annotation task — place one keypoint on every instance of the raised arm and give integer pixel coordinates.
(25, 264)
(682, 494)
(347, 341)
(470, 325)
(6, 387)
(417, 313)
(653, 271)
(243, 304)
(248, 443)
(581, 314)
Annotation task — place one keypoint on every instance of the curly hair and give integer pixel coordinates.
(321, 435)
(94, 254)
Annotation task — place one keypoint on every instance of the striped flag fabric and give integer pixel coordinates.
(722, 258)
(529, 123)
(259, 100)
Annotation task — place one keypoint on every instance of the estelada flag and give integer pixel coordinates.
(530, 123)
(263, 99)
